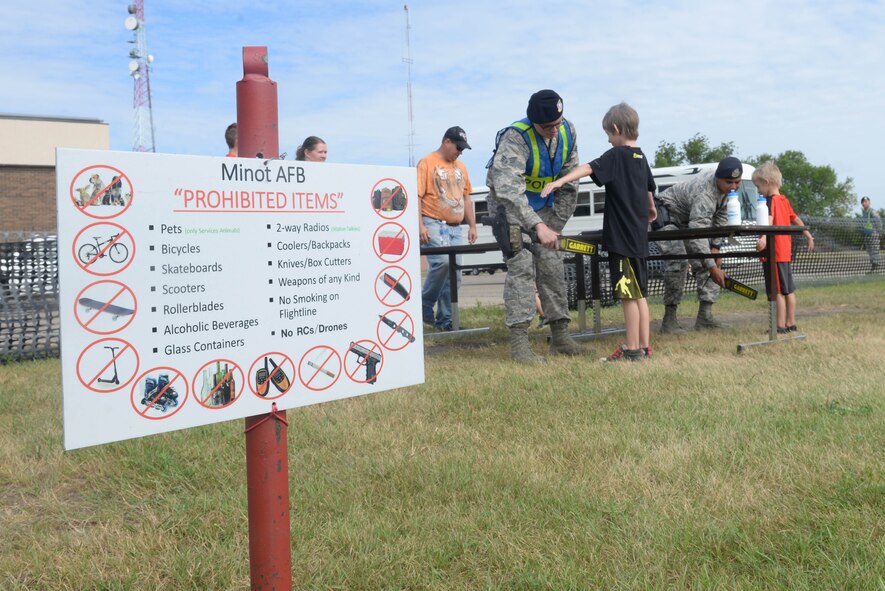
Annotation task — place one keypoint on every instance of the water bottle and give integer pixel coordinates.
(761, 211)
(733, 207)
(444, 239)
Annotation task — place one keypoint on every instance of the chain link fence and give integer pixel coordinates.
(29, 322)
(29, 317)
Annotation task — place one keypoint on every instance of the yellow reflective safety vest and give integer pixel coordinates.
(868, 221)
(542, 167)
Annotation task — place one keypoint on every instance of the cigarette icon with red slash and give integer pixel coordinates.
(322, 369)
(396, 285)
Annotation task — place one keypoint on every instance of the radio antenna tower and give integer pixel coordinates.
(408, 61)
(139, 68)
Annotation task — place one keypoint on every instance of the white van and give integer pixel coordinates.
(591, 207)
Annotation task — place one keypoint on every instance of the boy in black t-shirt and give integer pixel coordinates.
(629, 209)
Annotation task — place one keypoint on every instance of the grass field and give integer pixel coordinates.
(699, 469)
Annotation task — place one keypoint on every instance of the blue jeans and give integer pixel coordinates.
(437, 291)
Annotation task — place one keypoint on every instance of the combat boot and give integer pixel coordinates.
(669, 325)
(561, 343)
(520, 351)
(705, 318)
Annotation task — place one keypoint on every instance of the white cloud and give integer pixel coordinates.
(768, 76)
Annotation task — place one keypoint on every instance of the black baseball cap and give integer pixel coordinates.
(458, 137)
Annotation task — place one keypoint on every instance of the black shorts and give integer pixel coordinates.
(785, 282)
(629, 277)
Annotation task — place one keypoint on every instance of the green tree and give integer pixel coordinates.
(667, 154)
(812, 190)
(695, 150)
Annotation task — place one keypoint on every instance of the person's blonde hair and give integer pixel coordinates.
(625, 118)
(770, 173)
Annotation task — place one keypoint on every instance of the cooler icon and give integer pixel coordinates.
(391, 243)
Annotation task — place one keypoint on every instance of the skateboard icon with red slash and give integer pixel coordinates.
(114, 311)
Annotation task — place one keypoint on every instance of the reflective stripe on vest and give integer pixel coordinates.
(539, 170)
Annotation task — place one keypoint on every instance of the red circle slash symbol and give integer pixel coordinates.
(364, 355)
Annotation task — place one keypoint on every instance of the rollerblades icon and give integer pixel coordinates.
(158, 394)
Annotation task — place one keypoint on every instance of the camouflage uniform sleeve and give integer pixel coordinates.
(677, 198)
(704, 215)
(567, 196)
(720, 208)
(506, 179)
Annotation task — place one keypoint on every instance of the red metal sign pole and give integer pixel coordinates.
(267, 459)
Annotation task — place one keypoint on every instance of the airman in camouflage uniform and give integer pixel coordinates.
(872, 228)
(509, 179)
(697, 203)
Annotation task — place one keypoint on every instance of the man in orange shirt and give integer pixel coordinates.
(444, 190)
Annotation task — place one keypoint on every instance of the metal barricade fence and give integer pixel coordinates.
(29, 318)
(839, 251)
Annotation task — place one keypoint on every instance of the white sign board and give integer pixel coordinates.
(195, 290)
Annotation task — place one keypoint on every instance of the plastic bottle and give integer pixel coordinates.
(733, 207)
(444, 236)
(761, 211)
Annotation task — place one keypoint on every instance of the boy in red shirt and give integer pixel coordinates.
(768, 180)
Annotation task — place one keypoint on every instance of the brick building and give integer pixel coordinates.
(27, 165)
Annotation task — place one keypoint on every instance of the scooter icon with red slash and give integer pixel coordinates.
(116, 379)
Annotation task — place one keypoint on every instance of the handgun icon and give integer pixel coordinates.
(369, 358)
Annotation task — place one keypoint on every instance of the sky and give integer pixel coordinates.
(768, 76)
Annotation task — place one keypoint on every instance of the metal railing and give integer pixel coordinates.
(29, 297)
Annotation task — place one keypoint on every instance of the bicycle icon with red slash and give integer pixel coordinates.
(103, 248)
(116, 251)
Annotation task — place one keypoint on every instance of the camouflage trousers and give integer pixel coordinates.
(674, 274)
(871, 243)
(528, 273)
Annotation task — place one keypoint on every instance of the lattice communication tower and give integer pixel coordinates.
(408, 61)
(139, 68)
